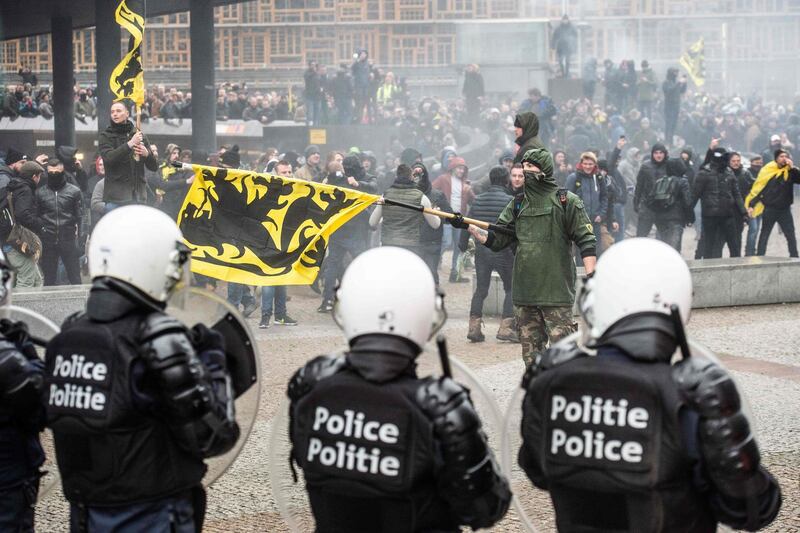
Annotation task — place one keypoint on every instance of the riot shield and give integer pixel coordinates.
(529, 499)
(192, 305)
(286, 479)
(41, 329)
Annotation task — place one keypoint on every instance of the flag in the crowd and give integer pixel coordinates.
(765, 176)
(694, 61)
(127, 79)
(258, 229)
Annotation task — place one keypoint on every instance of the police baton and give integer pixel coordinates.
(441, 343)
(450, 216)
(680, 332)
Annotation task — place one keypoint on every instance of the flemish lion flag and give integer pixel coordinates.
(259, 229)
(694, 62)
(127, 79)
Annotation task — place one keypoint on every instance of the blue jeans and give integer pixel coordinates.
(17, 507)
(313, 111)
(334, 263)
(753, 227)
(276, 294)
(454, 237)
(239, 294)
(169, 515)
(619, 214)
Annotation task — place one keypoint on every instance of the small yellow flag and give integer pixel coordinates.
(127, 79)
(693, 60)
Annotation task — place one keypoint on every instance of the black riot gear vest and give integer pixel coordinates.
(110, 450)
(367, 454)
(603, 436)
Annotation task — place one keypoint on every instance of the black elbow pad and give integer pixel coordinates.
(470, 479)
(728, 446)
(183, 380)
(21, 381)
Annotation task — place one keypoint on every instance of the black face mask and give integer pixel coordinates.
(83, 98)
(55, 180)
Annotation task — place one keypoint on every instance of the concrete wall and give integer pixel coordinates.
(717, 283)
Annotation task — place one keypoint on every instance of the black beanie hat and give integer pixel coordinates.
(231, 157)
(778, 152)
(14, 156)
(675, 167)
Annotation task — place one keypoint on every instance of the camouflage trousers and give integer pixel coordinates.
(539, 326)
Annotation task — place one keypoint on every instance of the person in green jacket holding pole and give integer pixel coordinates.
(546, 221)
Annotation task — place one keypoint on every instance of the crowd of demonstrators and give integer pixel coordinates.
(613, 155)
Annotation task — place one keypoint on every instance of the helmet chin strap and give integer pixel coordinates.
(132, 293)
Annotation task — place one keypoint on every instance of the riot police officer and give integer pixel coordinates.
(381, 448)
(21, 418)
(135, 399)
(622, 439)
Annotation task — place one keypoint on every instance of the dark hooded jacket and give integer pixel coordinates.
(715, 186)
(648, 175)
(125, 181)
(23, 191)
(681, 211)
(529, 139)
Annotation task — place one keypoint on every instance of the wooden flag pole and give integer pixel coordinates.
(449, 216)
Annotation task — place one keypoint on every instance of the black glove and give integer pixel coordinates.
(204, 339)
(458, 221)
(17, 332)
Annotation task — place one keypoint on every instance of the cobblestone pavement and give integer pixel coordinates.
(759, 344)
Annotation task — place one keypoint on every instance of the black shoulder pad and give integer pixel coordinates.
(557, 354)
(319, 368)
(157, 324)
(72, 319)
(439, 396)
(469, 479)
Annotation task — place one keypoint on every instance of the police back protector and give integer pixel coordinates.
(367, 454)
(603, 436)
(111, 449)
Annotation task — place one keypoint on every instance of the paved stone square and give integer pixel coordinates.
(760, 344)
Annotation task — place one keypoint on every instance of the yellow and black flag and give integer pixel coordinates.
(127, 79)
(694, 61)
(259, 229)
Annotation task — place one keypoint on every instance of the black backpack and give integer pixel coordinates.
(662, 196)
